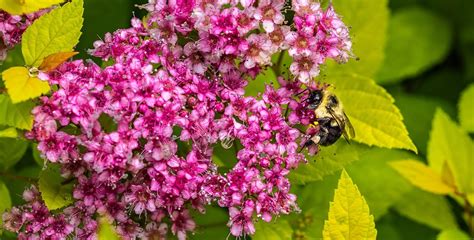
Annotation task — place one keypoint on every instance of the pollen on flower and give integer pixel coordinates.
(175, 89)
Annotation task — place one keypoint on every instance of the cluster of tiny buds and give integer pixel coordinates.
(139, 135)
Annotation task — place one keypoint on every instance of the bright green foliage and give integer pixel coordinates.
(57, 31)
(418, 112)
(275, 230)
(22, 86)
(18, 7)
(328, 161)
(106, 231)
(453, 234)
(417, 39)
(8, 133)
(15, 115)
(466, 109)
(368, 20)
(11, 151)
(56, 193)
(426, 208)
(349, 217)
(449, 143)
(5, 202)
(377, 121)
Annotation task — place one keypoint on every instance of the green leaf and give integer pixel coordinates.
(368, 20)
(328, 161)
(453, 234)
(395, 227)
(451, 145)
(276, 230)
(212, 224)
(426, 208)
(418, 112)
(377, 121)
(14, 58)
(5, 202)
(380, 185)
(466, 109)
(19, 7)
(37, 155)
(314, 201)
(55, 193)
(16, 115)
(17, 187)
(349, 217)
(106, 231)
(57, 31)
(11, 151)
(417, 40)
(22, 86)
(8, 133)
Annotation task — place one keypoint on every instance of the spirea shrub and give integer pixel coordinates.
(137, 136)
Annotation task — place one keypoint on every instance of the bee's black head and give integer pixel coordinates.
(314, 99)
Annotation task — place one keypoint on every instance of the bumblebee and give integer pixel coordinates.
(329, 118)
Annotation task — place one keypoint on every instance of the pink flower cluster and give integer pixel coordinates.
(12, 28)
(139, 135)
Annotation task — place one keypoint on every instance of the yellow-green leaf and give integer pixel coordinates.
(450, 151)
(368, 22)
(106, 231)
(16, 115)
(57, 31)
(453, 234)
(278, 229)
(466, 109)
(377, 121)
(52, 61)
(22, 86)
(8, 133)
(422, 176)
(349, 217)
(18, 7)
(54, 191)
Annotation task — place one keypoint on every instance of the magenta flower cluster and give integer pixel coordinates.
(139, 135)
(12, 28)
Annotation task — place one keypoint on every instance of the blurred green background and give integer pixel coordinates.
(429, 61)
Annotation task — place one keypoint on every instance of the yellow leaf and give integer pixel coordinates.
(18, 7)
(422, 176)
(21, 86)
(349, 217)
(52, 61)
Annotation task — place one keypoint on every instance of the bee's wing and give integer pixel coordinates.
(342, 124)
(352, 133)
